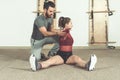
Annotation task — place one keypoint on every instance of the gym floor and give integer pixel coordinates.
(14, 65)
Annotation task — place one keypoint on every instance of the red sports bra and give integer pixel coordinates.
(66, 40)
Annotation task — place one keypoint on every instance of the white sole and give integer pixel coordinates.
(32, 62)
(93, 62)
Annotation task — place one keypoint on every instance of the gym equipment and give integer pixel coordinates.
(99, 12)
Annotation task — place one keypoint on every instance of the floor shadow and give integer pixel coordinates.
(22, 69)
(104, 68)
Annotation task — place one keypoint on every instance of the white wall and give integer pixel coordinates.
(16, 21)
(114, 22)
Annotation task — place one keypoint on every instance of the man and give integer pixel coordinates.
(43, 32)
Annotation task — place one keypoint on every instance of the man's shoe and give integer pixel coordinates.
(91, 64)
(43, 57)
(51, 54)
(33, 62)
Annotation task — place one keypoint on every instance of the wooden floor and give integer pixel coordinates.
(14, 65)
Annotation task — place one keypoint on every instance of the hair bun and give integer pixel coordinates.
(61, 19)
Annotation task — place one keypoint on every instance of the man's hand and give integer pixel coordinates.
(60, 33)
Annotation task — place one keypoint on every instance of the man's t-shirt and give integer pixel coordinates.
(41, 21)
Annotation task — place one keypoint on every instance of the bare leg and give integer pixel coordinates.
(74, 59)
(55, 60)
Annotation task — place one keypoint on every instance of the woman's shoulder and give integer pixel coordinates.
(66, 30)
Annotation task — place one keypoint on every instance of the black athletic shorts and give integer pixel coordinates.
(64, 55)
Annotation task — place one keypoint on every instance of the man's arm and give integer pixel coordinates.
(59, 31)
(52, 32)
(44, 31)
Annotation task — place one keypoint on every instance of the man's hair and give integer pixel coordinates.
(48, 4)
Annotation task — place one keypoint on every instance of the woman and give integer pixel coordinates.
(64, 54)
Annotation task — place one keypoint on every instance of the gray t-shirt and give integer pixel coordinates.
(41, 21)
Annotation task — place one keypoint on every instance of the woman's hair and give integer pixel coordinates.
(48, 4)
(62, 21)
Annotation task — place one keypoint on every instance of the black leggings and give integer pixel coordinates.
(64, 55)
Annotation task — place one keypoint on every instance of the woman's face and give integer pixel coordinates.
(68, 25)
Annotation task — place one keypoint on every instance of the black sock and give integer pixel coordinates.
(39, 66)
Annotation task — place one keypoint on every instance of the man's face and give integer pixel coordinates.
(50, 12)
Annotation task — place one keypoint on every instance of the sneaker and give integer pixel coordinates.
(33, 62)
(43, 57)
(51, 54)
(91, 64)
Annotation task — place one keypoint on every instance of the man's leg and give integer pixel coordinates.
(36, 48)
(37, 45)
(51, 40)
(53, 50)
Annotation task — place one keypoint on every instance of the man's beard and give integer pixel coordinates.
(47, 15)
